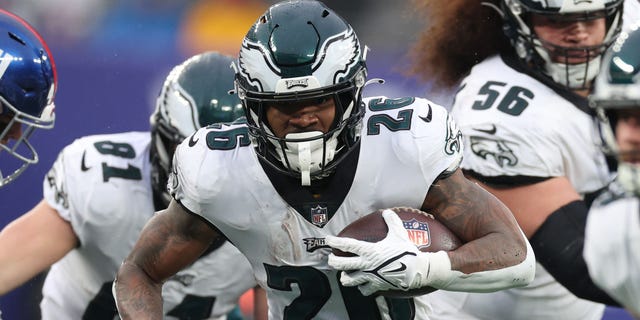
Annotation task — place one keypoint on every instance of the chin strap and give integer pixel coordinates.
(304, 161)
(574, 76)
(629, 177)
(306, 156)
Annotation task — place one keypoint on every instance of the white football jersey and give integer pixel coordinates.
(612, 247)
(631, 15)
(514, 125)
(101, 185)
(405, 145)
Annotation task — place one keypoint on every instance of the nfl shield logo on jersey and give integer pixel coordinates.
(319, 216)
(418, 233)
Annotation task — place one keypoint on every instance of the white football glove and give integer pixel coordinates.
(394, 263)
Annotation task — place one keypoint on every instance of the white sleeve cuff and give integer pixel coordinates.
(441, 276)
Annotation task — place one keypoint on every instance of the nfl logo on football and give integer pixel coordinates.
(418, 233)
(319, 216)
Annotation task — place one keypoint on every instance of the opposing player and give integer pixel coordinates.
(312, 157)
(102, 190)
(612, 237)
(28, 83)
(531, 136)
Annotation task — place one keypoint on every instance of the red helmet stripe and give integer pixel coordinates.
(44, 43)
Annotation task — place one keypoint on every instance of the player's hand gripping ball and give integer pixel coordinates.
(423, 230)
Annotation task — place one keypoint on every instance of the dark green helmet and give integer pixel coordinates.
(195, 94)
(617, 89)
(299, 50)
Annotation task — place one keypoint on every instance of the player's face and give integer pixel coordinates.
(569, 33)
(14, 132)
(628, 135)
(301, 116)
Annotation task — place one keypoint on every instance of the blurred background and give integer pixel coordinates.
(112, 56)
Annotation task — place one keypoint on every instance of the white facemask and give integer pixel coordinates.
(306, 157)
(574, 76)
(629, 177)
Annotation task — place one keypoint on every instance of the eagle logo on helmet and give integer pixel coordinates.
(341, 49)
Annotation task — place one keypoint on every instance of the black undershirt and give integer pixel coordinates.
(325, 195)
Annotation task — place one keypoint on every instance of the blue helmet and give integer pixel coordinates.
(28, 83)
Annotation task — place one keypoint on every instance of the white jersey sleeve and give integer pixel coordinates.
(612, 248)
(631, 15)
(88, 170)
(187, 184)
(84, 181)
(436, 139)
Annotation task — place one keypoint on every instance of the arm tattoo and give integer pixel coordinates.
(174, 241)
(171, 240)
(477, 217)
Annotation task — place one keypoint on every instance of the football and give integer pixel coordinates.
(427, 233)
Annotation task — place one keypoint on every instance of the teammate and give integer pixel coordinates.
(28, 83)
(101, 191)
(612, 237)
(532, 138)
(308, 161)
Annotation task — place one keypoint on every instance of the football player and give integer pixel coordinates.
(531, 137)
(612, 237)
(28, 83)
(312, 157)
(99, 194)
